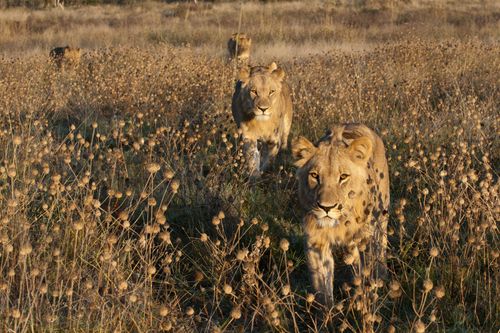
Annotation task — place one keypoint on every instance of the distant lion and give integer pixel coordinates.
(262, 109)
(65, 56)
(344, 186)
(239, 46)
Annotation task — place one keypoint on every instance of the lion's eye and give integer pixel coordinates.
(343, 177)
(272, 92)
(254, 92)
(314, 175)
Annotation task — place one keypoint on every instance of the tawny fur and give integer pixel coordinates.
(344, 186)
(262, 109)
(238, 47)
(65, 56)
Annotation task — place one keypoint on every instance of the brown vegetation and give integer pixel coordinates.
(122, 202)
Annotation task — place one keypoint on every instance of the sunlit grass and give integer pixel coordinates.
(124, 208)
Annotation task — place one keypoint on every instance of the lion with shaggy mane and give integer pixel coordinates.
(344, 186)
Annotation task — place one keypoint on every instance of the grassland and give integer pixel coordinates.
(123, 207)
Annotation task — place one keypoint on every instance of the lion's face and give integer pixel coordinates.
(333, 178)
(261, 87)
(244, 44)
(72, 54)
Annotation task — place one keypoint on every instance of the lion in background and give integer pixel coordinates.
(239, 46)
(262, 110)
(65, 56)
(344, 186)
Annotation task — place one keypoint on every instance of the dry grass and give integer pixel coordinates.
(122, 203)
(302, 27)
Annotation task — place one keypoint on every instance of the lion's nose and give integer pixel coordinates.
(328, 208)
(263, 108)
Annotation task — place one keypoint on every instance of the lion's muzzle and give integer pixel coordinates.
(327, 215)
(327, 222)
(262, 112)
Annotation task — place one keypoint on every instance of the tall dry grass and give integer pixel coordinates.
(278, 29)
(123, 207)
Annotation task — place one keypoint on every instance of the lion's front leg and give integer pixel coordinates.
(287, 124)
(269, 152)
(321, 268)
(252, 157)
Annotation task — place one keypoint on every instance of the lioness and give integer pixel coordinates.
(65, 56)
(262, 109)
(344, 186)
(238, 47)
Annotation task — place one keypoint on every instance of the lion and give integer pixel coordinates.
(262, 110)
(238, 47)
(65, 56)
(344, 187)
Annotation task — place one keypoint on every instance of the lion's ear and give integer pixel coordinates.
(278, 74)
(361, 149)
(302, 151)
(272, 67)
(244, 74)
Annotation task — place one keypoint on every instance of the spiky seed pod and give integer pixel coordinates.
(285, 290)
(236, 313)
(419, 327)
(174, 185)
(427, 285)
(439, 292)
(164, 311)
(189, 311)
(227, 289)
(284, 245)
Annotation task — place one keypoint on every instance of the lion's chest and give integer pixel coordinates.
(264, 130)
(340, 234)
